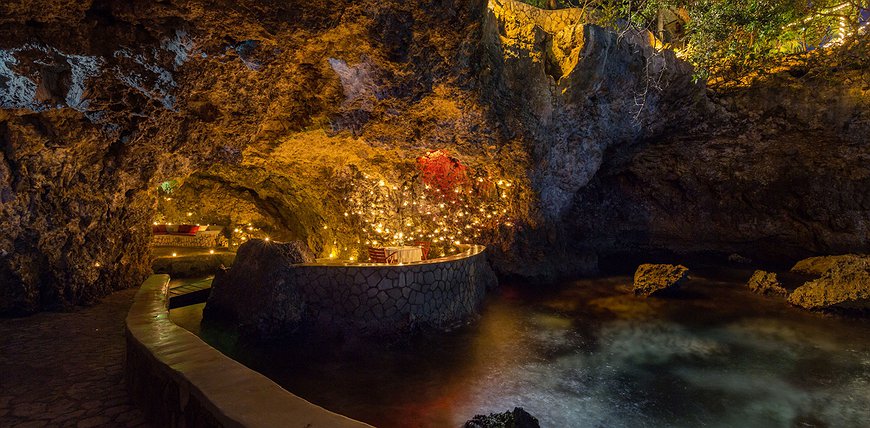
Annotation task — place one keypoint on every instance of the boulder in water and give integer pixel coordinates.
(518, 418)
(766, 283)
(651, 279)
(818, 266)
(844, 286)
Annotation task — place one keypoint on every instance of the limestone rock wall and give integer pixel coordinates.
(577, 89)
(778, 173)
(271, 105)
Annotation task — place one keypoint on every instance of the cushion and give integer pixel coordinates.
(187, 229)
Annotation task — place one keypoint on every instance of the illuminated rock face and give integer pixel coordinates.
(579, 89)
(265, 108)
(845, 286)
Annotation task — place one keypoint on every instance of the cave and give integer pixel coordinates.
(475, 213)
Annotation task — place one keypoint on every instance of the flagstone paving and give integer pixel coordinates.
(67, 369)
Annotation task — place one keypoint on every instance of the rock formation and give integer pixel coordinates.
(764, 175)
(274, 108)
(818, 266)
(766, 283)
(845, 286)
(652, 279)
(254, 293)
(518, 418)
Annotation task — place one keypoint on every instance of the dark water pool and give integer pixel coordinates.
(589, 354)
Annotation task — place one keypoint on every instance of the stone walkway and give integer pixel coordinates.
(66, 369)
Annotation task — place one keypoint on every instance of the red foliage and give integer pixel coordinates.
(441, 171)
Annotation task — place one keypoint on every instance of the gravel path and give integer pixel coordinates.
(66, 369)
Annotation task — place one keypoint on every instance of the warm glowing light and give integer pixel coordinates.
(211, 251)
(97, 264)
(174, 254)
(266, 239)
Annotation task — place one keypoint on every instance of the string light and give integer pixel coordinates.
(405, 212)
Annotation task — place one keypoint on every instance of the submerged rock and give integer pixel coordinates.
(518, 418)
(818, 266)
(650, 279)
(737, 258)
(766, 283)
(846, 285)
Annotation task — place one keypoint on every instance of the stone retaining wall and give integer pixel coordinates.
(384, 299)
(361, 298)
(180, 381)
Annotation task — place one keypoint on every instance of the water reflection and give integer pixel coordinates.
(590, 354)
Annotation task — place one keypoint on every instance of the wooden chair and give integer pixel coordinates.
(379, 255)
(425, 246)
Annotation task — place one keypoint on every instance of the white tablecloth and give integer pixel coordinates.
(406, 254)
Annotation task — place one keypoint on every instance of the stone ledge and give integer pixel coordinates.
(179, 380)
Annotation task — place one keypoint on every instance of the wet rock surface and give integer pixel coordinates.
(766, 283)
(518, 418)
(653, 279)
(844, 286)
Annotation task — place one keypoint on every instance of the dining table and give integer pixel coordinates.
(404, 254)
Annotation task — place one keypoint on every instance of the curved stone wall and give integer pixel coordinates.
(180, 381)
(363, 298)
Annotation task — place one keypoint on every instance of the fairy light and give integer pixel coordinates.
(404, 212)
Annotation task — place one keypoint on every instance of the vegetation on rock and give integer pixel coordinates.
(729, 40)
